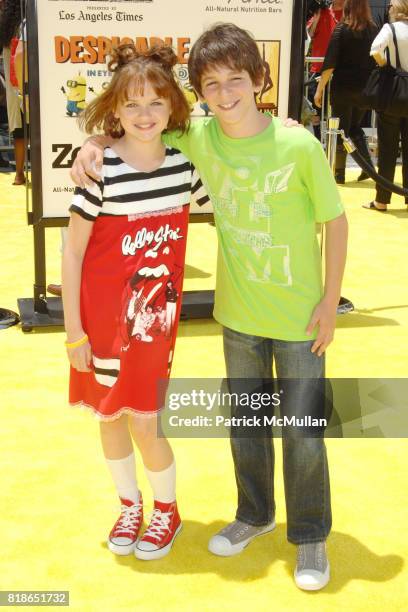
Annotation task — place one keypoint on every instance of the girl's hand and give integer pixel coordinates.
(80, 357)
(289, 123)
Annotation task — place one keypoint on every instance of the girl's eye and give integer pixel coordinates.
(157, 103)
(236, 79)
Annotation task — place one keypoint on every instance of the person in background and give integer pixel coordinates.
(10, 23)
(391, 129)
(348, 60)
(320, 28)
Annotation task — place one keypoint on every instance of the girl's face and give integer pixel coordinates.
(144, 117)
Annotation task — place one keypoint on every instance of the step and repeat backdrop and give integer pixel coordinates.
(75, 38)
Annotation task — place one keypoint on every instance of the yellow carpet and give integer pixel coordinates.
(58, 502)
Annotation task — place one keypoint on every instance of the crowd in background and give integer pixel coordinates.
(11, 116)
(351, 42)
(343, 32)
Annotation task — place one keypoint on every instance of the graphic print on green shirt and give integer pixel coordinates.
(268, 192)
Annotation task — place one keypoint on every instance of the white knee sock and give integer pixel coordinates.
(163, 483)
(124, 477)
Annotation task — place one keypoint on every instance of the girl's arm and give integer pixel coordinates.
(79, 231)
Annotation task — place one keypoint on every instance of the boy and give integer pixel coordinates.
(269, 186)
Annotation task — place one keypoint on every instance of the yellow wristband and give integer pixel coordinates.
(80, 342)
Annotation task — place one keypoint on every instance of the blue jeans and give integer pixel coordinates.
(305, 468)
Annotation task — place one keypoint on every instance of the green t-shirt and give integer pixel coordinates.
(268, 192)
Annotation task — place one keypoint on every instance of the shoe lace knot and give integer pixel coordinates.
(130, 516)
(159, 524)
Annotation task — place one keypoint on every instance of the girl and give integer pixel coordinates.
(126, 246)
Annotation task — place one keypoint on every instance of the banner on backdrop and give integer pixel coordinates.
(75, 37)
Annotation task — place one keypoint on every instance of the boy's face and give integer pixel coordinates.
(229, 94)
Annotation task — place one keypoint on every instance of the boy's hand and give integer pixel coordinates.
(292, 123)
(88, 161)
(324, 315)
(80, 357)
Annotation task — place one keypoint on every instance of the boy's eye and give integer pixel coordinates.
(210, 84)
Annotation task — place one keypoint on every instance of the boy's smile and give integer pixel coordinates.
(230, 96)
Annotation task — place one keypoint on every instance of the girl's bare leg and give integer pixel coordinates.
(115, 438)
(156, 452)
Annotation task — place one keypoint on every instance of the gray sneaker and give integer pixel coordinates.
(235, 537)
(312, 569)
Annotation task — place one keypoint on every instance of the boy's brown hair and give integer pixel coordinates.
(131, 70)
(225, 44)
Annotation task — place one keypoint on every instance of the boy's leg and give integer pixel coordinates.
(306, 475)
(248, 362)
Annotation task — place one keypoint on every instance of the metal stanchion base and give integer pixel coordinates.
(31, 319)
(8, 318)
(195, 305)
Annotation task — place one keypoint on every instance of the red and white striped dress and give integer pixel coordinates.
(132, 277)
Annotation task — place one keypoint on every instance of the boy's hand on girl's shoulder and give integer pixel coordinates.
(80, 357)
(324, 316)
(88, 161)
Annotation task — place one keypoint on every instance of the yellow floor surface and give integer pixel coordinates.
(58, 502)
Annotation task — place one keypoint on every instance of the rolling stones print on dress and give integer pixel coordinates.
(132, 279)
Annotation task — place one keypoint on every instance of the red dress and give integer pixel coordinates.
(132, 278)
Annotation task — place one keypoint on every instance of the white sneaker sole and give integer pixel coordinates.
(149, 555)
(320, 583)
(235, 549)
(122, 551)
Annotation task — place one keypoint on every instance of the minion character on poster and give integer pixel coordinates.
(267, 99)
(76, 95)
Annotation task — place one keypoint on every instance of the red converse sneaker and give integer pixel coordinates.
(158, 538)
(123, 537)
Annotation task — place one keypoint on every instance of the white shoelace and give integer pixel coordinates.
(159, 523)
(130, 517)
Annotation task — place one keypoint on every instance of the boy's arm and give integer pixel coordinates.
(324, 315)
(79, 231)
(89, 160)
